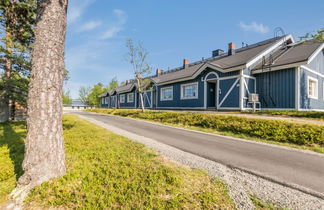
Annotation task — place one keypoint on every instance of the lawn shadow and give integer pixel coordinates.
(15, 142)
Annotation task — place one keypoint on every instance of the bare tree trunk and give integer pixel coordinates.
(44, 150)
(140, 94)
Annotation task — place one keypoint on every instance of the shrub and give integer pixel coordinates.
(273, 130)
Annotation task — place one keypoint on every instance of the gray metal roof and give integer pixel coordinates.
(294, 53)
(125, 88)
(225, 61)
(103, 94)
(177, 74)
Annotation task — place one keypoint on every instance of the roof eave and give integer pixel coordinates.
(315, 53)
(280, 67)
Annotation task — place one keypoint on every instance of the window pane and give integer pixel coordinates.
(189, 91)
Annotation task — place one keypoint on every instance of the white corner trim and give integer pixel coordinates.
(267, 51)
(161, 95)
(297, 88)
(188, 84)
(315, 53)
(312, 71)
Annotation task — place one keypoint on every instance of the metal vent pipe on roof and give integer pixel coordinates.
(218, 52)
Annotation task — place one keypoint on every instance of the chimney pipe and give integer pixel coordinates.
(158, 72)
(185, 63)
(231, 48)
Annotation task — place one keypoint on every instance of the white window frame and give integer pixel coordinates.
(128, 97)
(102, 100)
(122, 96)
(106, 100)
(189, 84)
(315, 96)
(161, 93)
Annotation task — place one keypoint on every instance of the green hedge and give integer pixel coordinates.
(273, 130)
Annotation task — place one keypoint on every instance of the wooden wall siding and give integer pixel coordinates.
(229, 93)
(177, 102)
(127, 104)
(220, 74)
(309, 103)
(113, 101)
(277, 89)
(148, 99)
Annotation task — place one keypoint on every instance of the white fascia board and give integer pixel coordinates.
(315, 53)
(276, 68)
(267, 51)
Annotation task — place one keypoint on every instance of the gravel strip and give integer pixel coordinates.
(240, 183)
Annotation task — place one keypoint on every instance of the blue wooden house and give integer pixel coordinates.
(277, 73)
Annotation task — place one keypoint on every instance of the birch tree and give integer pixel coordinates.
(44, 146)
(137, 56)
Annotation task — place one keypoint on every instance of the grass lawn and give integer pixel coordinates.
(285, 133)
(314, 115)
(109, 171)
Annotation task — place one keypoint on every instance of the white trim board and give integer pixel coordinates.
(200, 107)
(312, 71)
(277, 68)
(163, 88)
(189, 84)
(229, 91)
(315, 53)
(267, 51)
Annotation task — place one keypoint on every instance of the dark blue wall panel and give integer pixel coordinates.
(277, 88)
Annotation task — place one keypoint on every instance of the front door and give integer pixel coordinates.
(211, 94)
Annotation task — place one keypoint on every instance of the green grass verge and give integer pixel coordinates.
(290, 113)
(261, 205)
(107, 171)
(12, 137)
(298, 135)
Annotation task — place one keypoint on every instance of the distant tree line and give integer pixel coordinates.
(90, 95)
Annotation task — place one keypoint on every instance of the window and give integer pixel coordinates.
(130, 97)
(189, 91)
(122, 98)
(312, 88)
(102, 100)
(106, 100)
(167, 94)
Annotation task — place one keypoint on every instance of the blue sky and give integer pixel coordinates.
(171, 30)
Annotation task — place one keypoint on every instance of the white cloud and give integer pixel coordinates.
(117, 26)
(255, 27)
(77, 8)
(90, 25)
(111, 32)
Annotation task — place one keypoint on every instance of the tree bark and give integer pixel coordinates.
(140, 94)
(44, 147)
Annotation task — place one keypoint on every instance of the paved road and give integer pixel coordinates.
(287, 166)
